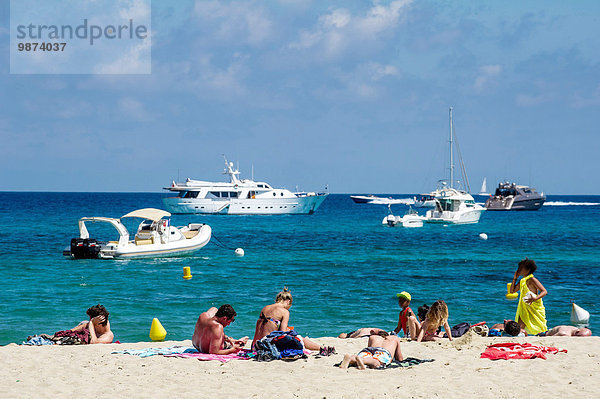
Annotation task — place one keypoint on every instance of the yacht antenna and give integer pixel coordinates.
(252, 171)
(451, 159)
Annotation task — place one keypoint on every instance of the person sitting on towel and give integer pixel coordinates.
(209, 335)
(98, 325)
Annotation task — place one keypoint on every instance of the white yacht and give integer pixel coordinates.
(453, 205)
(154, 237)
(239, 197)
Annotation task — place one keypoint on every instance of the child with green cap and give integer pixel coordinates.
(407, 321)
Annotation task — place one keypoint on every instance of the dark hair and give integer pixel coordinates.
(512, 328)
(98, 310)
(227, 311)
(422, 312)
(528, 264)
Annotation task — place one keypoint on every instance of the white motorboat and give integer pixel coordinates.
(410, 219)
(154, 237)
(239, 197)
(453, 205)
(364, 199)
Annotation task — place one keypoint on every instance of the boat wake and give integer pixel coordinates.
(561, 203)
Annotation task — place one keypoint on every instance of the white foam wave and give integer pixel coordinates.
(561, 203)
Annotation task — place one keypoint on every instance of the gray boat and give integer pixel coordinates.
(513, 197)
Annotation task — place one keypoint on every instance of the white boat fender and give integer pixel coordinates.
(483, 236)
(239, 252)
(579, 315)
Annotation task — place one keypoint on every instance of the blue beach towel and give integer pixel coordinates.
(147, 352)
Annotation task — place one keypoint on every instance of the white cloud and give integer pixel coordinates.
(137, 60)
(337, 19)
(135, 9)
(134, 109)
(339, 30)
(366, 82)
(486, 74)
(239, 21)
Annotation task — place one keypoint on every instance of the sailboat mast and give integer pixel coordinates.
(451, 158)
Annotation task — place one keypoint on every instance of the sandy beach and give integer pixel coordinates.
(457, 372)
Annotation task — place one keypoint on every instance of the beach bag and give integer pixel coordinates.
(266, 350)
(288, 343)
(459, 330)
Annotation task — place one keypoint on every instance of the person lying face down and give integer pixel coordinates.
(569, 331)
(382, 349)
(98, 325)
(510, 328)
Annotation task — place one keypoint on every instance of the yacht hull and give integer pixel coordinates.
(251, 206)
(514, 204)
(454, 217)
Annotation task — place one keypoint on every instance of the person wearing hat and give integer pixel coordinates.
(407, 321)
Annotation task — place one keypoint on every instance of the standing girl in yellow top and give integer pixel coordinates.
(531, 313)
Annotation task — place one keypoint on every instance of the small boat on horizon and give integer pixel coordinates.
(154, 237)
(364, 199)
(483, 190)
(239, 197)
(514, 197)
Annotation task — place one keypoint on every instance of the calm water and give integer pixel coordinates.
(342, 266)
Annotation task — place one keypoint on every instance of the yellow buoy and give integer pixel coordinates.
(514, 295)
(157, 331)
(187, 274)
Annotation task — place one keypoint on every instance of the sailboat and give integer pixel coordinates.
(453, 205)
(483, 190)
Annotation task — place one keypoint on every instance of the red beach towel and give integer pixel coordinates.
(513, 350)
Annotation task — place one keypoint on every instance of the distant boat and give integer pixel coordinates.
(514, 197)
(483, 190)
(239, 197)
(363, 199)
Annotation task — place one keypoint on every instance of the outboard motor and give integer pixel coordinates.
(85, 248)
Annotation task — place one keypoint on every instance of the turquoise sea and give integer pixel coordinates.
(342, 266)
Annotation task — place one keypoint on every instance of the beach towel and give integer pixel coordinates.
(241, 355)
(38, 340)
(513, 350)
(412, 361)
(534, 315)
(171, 350)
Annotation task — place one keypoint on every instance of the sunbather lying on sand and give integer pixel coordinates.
(361, 332)
(569, 331)
(382, 350)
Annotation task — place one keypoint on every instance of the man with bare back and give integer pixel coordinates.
(209, 335)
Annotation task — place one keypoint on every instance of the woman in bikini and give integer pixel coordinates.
(275, 317)
(436, 317)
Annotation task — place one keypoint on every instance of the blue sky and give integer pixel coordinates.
(353, 94)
